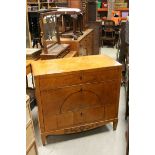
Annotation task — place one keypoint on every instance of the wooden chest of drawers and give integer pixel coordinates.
(83, 45)
(77, 94)
(31, 148)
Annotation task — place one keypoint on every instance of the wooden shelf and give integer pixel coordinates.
(32, 3)
(44, 2)
(102, 9)
(106, 9)
(122, 9)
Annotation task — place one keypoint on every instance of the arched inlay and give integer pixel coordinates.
(80, 100)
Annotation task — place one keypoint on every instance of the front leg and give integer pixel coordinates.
(43, 139)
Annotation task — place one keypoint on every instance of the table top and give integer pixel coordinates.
(30, 51)
(65, 65)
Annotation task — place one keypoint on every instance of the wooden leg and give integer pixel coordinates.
(115, 122)
(43, 138)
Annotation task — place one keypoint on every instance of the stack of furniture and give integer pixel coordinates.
(31, 148)
(89, 87)
(109, 32)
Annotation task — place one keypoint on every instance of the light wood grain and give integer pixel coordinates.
(77, 94)
(58, 66)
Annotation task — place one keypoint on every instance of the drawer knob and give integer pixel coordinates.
(81, 113)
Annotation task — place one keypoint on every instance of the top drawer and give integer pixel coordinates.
(52, 82)
(100, 75)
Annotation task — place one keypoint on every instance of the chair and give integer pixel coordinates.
(108, 32)
(52, 48)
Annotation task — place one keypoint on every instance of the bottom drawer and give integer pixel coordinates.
(94, 114)
(33, 150)
(111, 111)
(89, 115)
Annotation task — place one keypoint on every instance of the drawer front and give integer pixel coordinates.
(59, 81)
(89, 115)
(111, 111)
(79, 117)
(29, 135)
(94, 114)
(65, 120)
(28, 116)
(100, 75)
(32, 150)
(50, 122)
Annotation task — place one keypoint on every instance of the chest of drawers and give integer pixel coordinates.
(76, 94)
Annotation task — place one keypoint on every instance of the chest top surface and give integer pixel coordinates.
(65, 65)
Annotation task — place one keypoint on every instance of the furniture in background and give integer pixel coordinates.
(123, 7)
(89, 88)
(92, 10)
(97, 35)
(28, 36)
(31, 147)
(33, 53)
(52, 48)
(122, 51)
(30, 87)
(83, 45)
(70, 22)
(45, 4)
(83, 6)
(33, 17)
(108, 32)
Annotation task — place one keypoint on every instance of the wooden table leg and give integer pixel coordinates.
(43, 138)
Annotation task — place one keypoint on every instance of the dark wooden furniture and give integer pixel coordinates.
(52, 48)
(71, 22)
(108, 32)
(83, 45)
(97, 35)
(83, 6)
(92, 10)
(76, 94)
(33, 17)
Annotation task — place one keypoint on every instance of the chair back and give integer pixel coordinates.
(109, 24)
